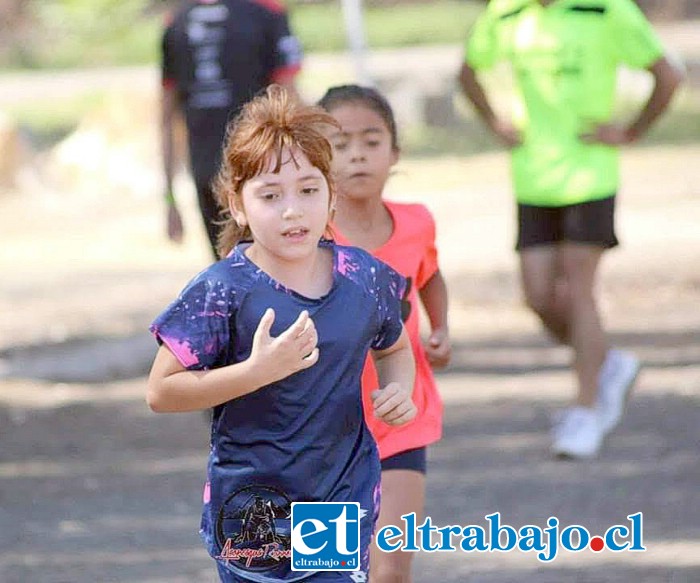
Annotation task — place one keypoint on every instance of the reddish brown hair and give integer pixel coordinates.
(256, 139)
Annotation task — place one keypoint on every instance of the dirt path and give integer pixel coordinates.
(96, 488)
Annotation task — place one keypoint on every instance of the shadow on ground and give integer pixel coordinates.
(111, 492)
(95, 359)
(87, 359)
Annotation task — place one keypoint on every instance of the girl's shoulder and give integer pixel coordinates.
(357, 264)
(230, 274)
(352, 259)
(364, 269)
(413, 221)
(414, 212)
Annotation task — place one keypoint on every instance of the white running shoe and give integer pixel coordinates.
(579, 433)
(615, 382)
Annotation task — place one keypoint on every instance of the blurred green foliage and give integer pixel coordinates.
(321, 27)
(86, 33)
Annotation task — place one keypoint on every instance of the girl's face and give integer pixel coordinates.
(362, 151)
(287, 211)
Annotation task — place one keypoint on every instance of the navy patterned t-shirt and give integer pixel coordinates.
(302, 438)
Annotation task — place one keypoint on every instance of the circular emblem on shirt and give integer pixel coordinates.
(253, 530)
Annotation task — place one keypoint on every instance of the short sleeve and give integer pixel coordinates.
(429, 262)
(286, 56)
(636, 43)
(481, 49)
(389, 288)
(195, 327)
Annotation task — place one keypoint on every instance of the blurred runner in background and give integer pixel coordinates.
(216, 56)
(565, 55)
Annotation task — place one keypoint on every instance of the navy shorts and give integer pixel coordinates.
(412, 459)
(591, 223)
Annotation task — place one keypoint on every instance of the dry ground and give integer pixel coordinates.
(94, 487)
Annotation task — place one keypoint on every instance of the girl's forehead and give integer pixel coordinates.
(289, 162)
(276, 160)
(358, 116)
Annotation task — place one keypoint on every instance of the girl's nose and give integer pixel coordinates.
(358, 155)
(291, 212)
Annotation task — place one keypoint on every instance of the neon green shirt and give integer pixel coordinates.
(565, 58)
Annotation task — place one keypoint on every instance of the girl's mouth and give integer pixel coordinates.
(295, 233)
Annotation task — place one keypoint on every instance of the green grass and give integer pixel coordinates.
(77, 35)
(320, 27)
(49, 121)
(129, 45)
(680, 125)
(125, 40)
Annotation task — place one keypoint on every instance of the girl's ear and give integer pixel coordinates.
(237, 211)
(395, 154)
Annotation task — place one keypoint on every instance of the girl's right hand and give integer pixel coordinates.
(293, 350)
(393, 404)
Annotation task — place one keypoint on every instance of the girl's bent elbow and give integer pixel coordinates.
(155, 401)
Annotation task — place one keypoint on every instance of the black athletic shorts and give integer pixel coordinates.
(587, 222)
(412, 459)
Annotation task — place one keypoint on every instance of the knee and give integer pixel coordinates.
(540, 301)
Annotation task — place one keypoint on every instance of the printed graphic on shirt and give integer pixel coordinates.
(253, 530)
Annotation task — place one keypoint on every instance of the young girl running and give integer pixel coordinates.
(402, 235)
(274, 338)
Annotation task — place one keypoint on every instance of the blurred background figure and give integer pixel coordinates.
(565, 56)
(216, 55)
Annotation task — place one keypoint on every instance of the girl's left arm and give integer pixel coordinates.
(433, 295)
(396, 370)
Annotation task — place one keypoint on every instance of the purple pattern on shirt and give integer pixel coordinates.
(303, 435)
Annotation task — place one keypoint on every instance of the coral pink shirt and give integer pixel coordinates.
(412, 252)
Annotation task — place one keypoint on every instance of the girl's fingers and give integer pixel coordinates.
(404, 418)
(306, 348)
(403, 412)
(308, 325)
(303, 325)
(388, 401)
(265, 324)
(381, 396)
(309, 333)
(311, 359)
(296, 328)
(306, 341)
(392, 405)
(301, 321)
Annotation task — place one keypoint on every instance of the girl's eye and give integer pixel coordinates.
(340, 146)
(309, 190)
(373, 143)
(269, 196)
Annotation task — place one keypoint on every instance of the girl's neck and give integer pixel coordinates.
(366, 223)
(311, 276)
